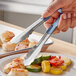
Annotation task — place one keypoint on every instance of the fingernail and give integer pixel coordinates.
(74, 14)
(63, 27)
(47, 25)
(56, 31)
(64, 16)
(69, 15)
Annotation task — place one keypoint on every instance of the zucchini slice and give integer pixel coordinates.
(56, 71)
(40, 58)
(45, 66)
(46, 57)
(37, 60)
(67, 60)
(33, 68)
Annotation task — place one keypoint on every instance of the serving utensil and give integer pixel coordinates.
(31, 55)
(36, 49)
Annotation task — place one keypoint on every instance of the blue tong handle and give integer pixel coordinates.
(54, 25)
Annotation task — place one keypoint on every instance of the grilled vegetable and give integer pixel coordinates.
(67, 60)
(56, 61)
(46, 57)
(59, 57)
(40, 58)
(33, 68)
(63, 66)
(56, 71)
(37, 60)
(45, 66)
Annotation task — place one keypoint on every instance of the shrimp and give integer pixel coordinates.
(8, 47)
(7, 36)
(22, 45)
(18, 72)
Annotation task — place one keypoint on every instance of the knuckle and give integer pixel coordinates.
(72, 26)
(64, 30)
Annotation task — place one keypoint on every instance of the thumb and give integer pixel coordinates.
(55, 5)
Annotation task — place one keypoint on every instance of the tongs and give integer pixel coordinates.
(31, 55)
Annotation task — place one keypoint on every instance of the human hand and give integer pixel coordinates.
(67, 19)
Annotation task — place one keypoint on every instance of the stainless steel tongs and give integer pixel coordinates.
(31, 55)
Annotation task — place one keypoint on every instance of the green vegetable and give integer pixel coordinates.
(46, 57)
(41, 58)
(37, 60)
(33, 68)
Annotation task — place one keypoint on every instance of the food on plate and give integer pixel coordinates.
(56, 61)
(31, 44)
(40, 58)
(16, 63)
(56, 71)
(7, 68)
(44, 62)
(18, 72)
(26, 41)
(8, 47)
(25, 44)
(63, 66)
(22, 45)
(33, 68)
(45, 66)
(7, 36)
(51, 64)
(67, 60)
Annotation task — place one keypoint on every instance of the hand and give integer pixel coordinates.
(67, 19)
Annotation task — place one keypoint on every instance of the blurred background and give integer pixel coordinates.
(24, 12)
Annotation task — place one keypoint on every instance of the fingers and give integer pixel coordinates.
(62, 22)
(52, 19)
(73, 20)
(49, 24)
(54, 6)
(54, 16)
(68, 22)
(65, 22)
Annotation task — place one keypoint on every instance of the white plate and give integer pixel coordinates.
(70, 72)
(32, 37)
